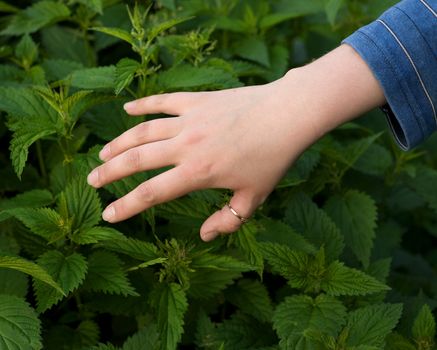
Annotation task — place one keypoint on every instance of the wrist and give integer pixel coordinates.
(334, 89)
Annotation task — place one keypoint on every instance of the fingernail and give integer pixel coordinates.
(209, 236)
(109, 213)
(129, 105)
(93, 178)
(105, 152)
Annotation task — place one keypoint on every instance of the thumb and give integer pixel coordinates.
(230, 218)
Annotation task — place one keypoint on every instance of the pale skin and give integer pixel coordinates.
(242, 139)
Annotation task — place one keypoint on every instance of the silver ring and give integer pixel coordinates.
(238, 216)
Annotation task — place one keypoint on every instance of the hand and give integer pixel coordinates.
(242, 139)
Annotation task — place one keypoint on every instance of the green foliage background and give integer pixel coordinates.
(340, 257)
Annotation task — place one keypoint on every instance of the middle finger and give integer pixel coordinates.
(145, 157)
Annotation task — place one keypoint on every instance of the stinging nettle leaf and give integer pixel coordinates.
(94, 78)
(96, 234)
(43, 222)
(117, 33)
(315, 225)
(251, 297)
(105, 274)
(132, 247)
(124, 73)
(342, 280)
(31, 199)
(26, 51)
(30, 268)
(20, 328)
(68, 271)
(36, 16)
(371, 324)
(355, 213)
(298, 315)
(83, 204)
(170, 303)
(424, 327)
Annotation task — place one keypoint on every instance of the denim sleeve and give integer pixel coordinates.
(401, 49)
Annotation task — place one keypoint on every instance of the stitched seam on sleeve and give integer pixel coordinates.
(414, 66)
(418, 30)
(428, 7)
(395, 73)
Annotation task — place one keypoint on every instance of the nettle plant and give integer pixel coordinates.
(340, 257)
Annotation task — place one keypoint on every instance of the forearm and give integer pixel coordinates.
(332, 90)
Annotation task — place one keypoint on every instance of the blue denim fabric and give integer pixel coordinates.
(401, 50)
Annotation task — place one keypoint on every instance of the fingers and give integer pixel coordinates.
(161, 188)
(172, 103)
(225, 221)
(145, 157)
(151, 131)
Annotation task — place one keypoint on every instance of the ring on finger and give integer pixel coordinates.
(235, 213)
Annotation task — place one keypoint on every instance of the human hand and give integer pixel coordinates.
(242, 139)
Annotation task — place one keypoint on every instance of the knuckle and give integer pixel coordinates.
(201, 172)
(133, 159)
(143, 131)
(192, 137)
(158, 100)
(146, 193)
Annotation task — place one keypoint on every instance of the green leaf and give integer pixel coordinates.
(58, 69)
(276, 231)
(253, 49)
(105, 274)
(68, 271)
(424, 329)
(30, 268)
(13, 283)
(185, 77)
(124, 73)
(26, 51)
(43, 222)
(212, 273)
(423, 184)
(375, 161)
(132, 247)
(332, 7)
(117, 33)
(315, 225)
(355, 214)
(146, 338)
(25, 132)
(77, 49)
(396, 341)
(94, 78)
(170, 303)
(246, 241)
(95, 5)
(20, 328)
(96, 234)
(298, 315)
(284, 260)
(163, 26)
(342, 280)
(371, 324)
(31, 199)
(5, 7)
(241, 332)
(36, 16)
(83, 204)
(251, 297)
